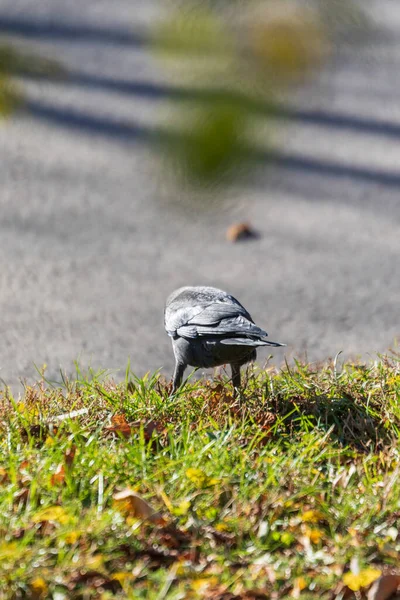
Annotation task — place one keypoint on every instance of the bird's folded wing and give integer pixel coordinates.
(207, 315)
(223, 328)
(179, 317)
(216, 312)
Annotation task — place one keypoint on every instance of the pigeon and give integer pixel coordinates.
(210, 328)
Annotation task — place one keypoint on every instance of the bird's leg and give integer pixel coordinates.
(235, 378)
(178, 375)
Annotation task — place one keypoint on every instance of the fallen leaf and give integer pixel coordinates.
(200, 478)
(120, 426)
(122, 576)
(240, 231)
(131, 504)
(59, 475)
(300, 584)
(384, 587)
(38, 588)
(200, 585)
(362, 579)
(314, 535)
(72, 537)
(51, 513)
(70, 455)
(312, 516)
(3, 475)
(152, 427)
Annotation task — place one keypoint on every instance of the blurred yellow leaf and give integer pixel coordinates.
(72, 537)
(9, 550)
(201, 584)
(51, 513)
(314, 535)
(182, 509)
(38, 587)
(300, 584)
(95, 562)
(222, 527)
(362, 579)
(122, 576)
(312, 516)
(199, 478)
(196, 476)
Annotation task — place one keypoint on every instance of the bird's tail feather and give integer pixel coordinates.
(249, 342)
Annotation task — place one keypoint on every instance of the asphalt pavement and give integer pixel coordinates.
(92, 240)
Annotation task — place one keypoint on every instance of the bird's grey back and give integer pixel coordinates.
(187, 302)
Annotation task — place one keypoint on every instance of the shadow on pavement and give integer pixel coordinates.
(55, 31)
(131, 132)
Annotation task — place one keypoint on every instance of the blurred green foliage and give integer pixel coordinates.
(13, 63)
(243, 55)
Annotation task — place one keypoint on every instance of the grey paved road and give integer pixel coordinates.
(91, 244)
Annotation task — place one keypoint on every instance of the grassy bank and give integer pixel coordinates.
(116, 490)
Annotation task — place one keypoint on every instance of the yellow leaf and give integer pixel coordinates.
(199, 478)
(196, 476)
(122, 577)
(182, 509)
(95, 562)
(299, 585)
(39, 587)
(51, 513)
(72, 537)
(9, 550)
(361, 580)
(201, 584)
(314, 535)
(312, 516)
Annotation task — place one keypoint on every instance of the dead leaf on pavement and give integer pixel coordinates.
(240, 231)
(384, 587)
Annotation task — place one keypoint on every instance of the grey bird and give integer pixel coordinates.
(210, 328)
